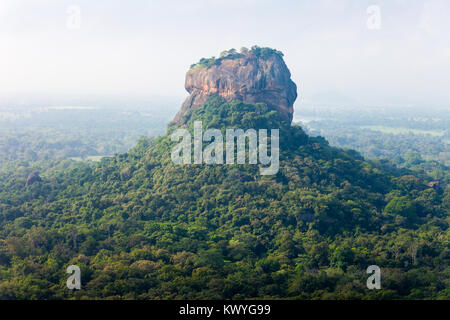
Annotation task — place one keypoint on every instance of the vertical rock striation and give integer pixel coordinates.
(257, 75)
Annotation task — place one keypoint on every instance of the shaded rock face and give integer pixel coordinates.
(32, 178)
(245, 77)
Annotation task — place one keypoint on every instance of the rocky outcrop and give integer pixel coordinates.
(33, 178)
(250, 76)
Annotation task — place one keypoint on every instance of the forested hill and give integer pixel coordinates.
(140, 226)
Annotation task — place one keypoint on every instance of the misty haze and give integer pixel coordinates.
(93, 205)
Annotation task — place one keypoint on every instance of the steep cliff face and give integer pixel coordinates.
(32, 178)
(248, 76)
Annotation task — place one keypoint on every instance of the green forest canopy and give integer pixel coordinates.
(141, 227)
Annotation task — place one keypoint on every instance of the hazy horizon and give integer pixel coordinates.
(144, 49)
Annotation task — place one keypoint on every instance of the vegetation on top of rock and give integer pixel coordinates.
(253, 76)
(258, 52)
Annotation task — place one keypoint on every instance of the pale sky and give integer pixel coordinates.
(145, 47)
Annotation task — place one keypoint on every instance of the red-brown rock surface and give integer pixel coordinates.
(32, 178)
(246, 76)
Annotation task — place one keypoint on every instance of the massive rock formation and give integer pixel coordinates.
(257, 75)
(32, 178)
